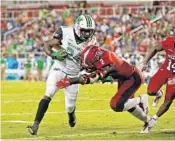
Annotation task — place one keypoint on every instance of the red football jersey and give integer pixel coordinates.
(96, 57)
(168, 45)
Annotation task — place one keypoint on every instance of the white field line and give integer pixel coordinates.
(80, 111)
(32, 94)
(19, 94)
(60, 100)
(95, 134)
(17, 121)
(28, 101)
(84, 111)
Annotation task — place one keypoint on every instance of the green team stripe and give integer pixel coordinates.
(90, 20)
(87, 20)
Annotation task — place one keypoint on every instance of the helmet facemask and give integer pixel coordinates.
(84, 27)
(85, 34)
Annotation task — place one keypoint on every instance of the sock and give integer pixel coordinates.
(159, 93)
(42, 108)
(155, 117)
(131, 103)
(139, 113)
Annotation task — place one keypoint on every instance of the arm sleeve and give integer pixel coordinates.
(164, 42)
(58, 34)
(85, 79)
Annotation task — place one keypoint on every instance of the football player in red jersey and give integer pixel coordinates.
(165, 75)
(102, 63)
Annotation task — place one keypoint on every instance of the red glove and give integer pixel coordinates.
(65, 82)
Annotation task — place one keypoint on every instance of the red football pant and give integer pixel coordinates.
(162, 77)
(126, 90)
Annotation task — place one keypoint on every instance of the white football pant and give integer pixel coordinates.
(70, 92)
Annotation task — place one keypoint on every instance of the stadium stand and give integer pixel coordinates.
(129, 30)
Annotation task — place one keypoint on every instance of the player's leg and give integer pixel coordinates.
(169, 97)
(121, 102)
(51, 88)
(126, 88)
(155, 84)
(70, 102)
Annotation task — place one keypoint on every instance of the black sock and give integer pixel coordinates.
(42, 108)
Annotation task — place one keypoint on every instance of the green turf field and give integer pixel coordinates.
(95, 119)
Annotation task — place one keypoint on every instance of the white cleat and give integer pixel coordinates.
(144, 103)
(145, 129)
(148, 126)
(157, 98)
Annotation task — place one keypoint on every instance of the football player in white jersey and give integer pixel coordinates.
(69, 42)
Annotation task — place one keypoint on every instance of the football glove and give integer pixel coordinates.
(59, 55)
(65, 82)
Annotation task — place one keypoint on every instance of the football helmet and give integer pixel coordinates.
(90, 56)
(84, 27)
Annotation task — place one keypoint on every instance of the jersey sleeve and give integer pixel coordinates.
(58, 34)
(165, 42)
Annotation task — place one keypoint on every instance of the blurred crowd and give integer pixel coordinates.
(23, 49)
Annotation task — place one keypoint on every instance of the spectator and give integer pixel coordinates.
(27, 68)
(3, 64)
(40, 62)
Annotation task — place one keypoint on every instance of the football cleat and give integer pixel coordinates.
(148, 126)
(32, 129)
(145, 129)
(144, 103)
(157, 98)
(72, 119)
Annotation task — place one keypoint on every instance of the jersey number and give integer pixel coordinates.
(171, 66)
(71, 53)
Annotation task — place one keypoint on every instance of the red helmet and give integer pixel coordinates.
(90, 56)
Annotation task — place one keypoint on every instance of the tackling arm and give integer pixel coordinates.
(87, 78)
(82, 79)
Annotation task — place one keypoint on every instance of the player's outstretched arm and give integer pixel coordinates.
(82, 79)
(150, 55)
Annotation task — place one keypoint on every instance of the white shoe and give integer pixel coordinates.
(157, 98)
(148, 126)
(144, 103)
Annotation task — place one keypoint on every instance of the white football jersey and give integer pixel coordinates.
(71, 65)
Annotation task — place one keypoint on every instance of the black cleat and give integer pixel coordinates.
(32, 129)
(72, 119)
